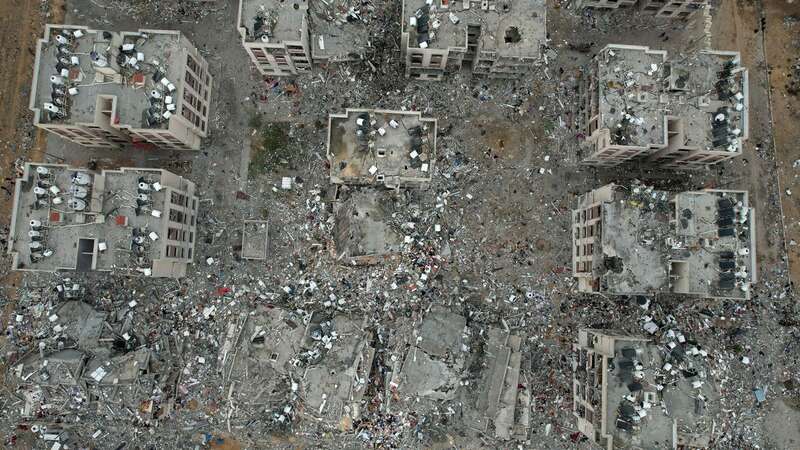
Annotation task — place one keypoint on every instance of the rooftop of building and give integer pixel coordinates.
(259, 351)
(363, 228)
(381, 147)
(512, 28)
(338, 30)
(639, 89)
(272, 21)
(63, 217)
(698, 242)
(657, 398)
(142, 70)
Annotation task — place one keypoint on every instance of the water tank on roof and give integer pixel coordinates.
(77, 204)
(81, 178)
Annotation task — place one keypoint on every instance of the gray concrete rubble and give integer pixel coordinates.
(379, 260)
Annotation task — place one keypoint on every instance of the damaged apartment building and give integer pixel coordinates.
(638, 240)
(630, 392)
(131, 221)
(462, 374)
(687, 112)
(287, 37)
(372, 155)
(91, 363)
(97, 88)
(492, 38)
(309, 366)
(672, 9)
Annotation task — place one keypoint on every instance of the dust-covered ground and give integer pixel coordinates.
(503, 254)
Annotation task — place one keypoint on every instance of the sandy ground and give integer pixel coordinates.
(21, 24)
(783, 49)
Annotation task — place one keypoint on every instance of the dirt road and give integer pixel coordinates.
(782, 36)
(21, 24)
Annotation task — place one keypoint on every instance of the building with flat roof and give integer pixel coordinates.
(285, 37)
(130, 221)
(684, 113)
(494, 38)
(97, 88)
(629, 392)
(671, 9)
(275, 35)
(381, 148)
(639, 240)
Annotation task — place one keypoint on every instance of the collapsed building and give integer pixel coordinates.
(638, 240)
(275, 35)
(312, 366)
(338, 353)
(364, 231)
(448, 368)
(338, 30)
(373, 147)
(90, 362)
(683, 113)
(672, 9)
(493, 38)
(131, 221)
(286, 38)
(369, 151)
(259, 354)
(630, 392)
(97, 88)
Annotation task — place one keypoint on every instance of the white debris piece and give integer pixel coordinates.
(98, 374)
(650, 327)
